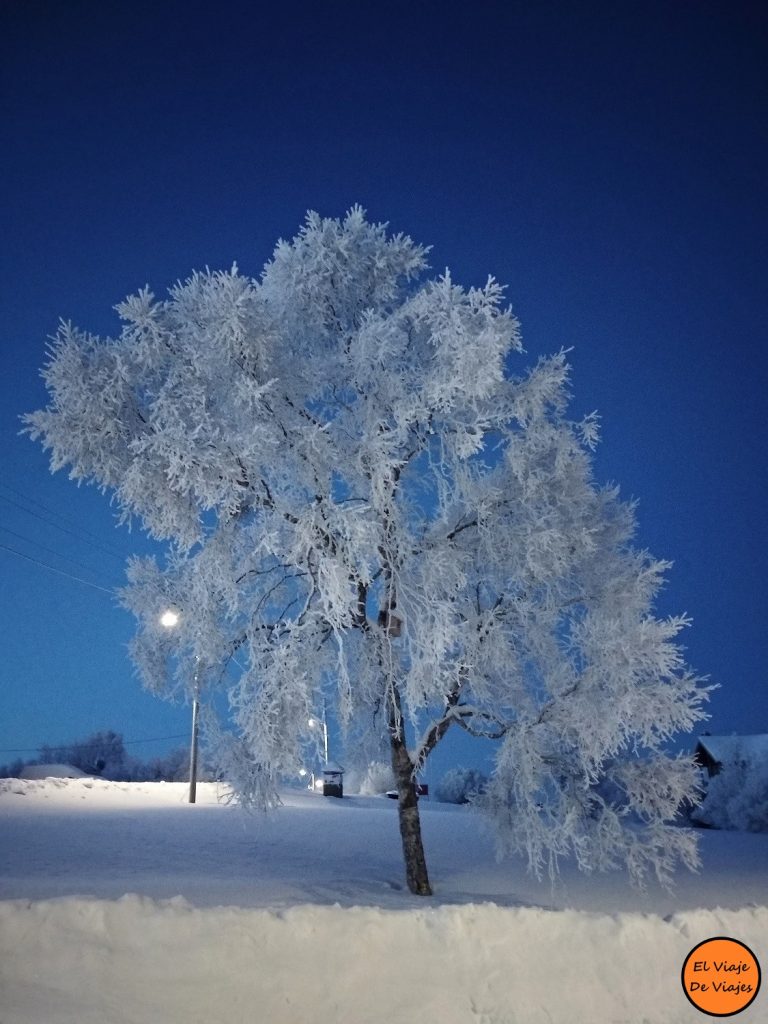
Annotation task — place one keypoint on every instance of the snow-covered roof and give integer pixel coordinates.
(332, 768)
(51, 771)
(730, 749)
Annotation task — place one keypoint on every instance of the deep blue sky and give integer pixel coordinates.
(607, 161)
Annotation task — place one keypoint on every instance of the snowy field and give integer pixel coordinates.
(123, 904)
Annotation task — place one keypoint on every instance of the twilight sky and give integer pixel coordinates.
(608, 162)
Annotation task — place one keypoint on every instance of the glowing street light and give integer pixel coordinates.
(169, 620)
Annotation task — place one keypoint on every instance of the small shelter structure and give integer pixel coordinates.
(333, 779)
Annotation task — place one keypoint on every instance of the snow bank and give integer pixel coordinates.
(77, 837)
(136, 961)
(303, 918)
(101, 794)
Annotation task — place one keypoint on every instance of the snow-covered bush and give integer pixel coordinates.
(12, 770)
(102, 753)
(459, 785)
(372, 780)
(171, 767)
(737, 797)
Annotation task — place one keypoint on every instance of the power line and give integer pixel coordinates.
(49, 521)
(52, 568)
(79, 535)
(67, 746)
(60, 515)
(51, 551)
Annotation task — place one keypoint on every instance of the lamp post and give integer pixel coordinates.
(170, 619)
(321, 724)
(195, 731)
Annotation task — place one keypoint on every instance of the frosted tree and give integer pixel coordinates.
(367, 503)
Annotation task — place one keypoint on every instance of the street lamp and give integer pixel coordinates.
(169, 620)
(322, 723)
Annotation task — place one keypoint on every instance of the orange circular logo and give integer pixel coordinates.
(721, 976)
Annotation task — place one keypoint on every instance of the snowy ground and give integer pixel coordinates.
(302, 917)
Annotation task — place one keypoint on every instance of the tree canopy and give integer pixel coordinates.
(369, 500)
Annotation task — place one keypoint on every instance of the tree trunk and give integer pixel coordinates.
(408, 813)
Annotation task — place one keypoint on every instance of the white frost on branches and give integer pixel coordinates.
(367, 499)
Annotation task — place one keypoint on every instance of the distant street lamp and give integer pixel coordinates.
(170, 619)
(321, 723)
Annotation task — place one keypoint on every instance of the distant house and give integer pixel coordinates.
(735, 782)
(714, 753)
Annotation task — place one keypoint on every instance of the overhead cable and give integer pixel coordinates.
(52, 568)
